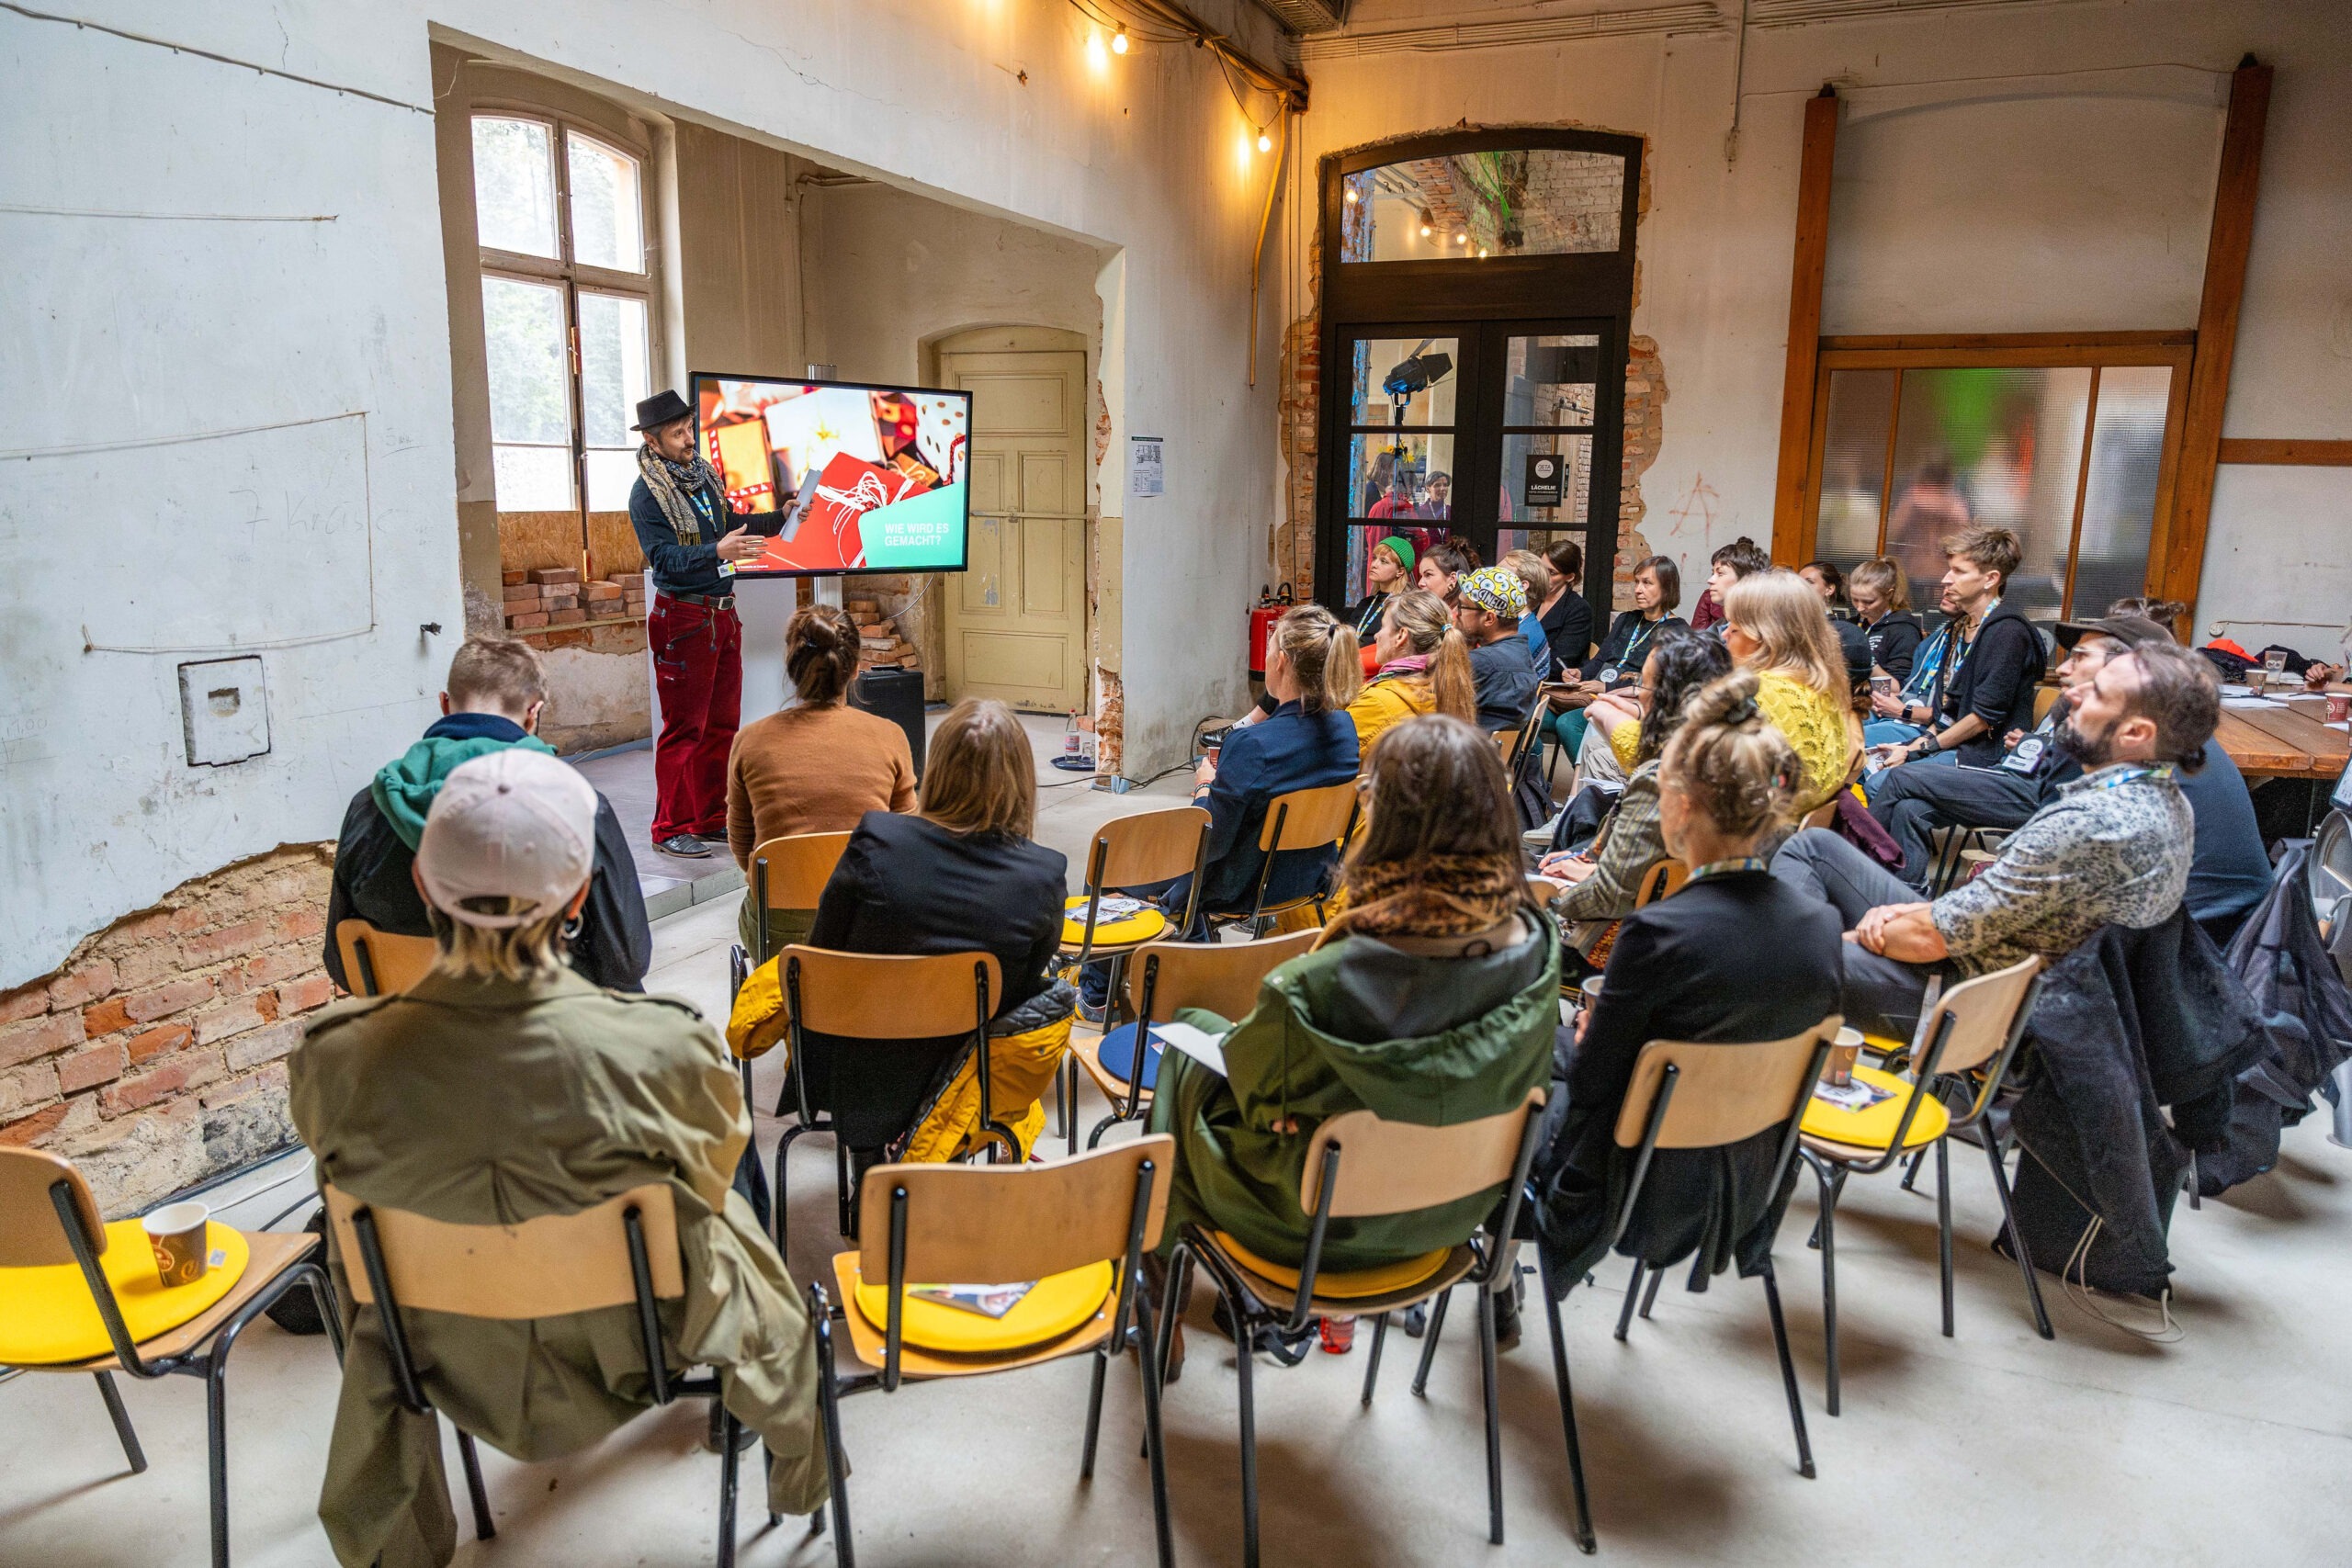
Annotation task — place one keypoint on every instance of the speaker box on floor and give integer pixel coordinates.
(897, 695)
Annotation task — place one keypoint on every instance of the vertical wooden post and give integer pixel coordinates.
(2183, 545)
(1790, 525)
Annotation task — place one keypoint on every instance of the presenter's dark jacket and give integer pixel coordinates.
(1628, 634)
(683, 569)
(1293, 749)
(1567, 627)
(613, 943)
(1747, 959)
(1996, 683)
(908, 886)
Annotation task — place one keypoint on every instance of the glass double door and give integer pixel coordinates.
(1505, 433)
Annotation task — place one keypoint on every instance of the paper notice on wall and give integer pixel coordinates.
(1146, 475)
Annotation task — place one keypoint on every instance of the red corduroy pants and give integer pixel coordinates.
(698, 670)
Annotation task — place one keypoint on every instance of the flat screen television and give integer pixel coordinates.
(839, 476)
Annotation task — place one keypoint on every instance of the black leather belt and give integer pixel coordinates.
(707, 600)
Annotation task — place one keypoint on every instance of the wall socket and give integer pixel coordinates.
(224, 711)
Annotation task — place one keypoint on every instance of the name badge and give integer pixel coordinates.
(2026, 757)
(1608, 674)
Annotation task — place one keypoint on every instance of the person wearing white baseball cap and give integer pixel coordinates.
(500, 1087)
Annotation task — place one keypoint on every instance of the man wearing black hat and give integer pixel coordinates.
(688, 532)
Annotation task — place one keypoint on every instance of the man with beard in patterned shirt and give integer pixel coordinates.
(2113, 847)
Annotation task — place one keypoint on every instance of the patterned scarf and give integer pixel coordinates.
(671, 484)
(1429, 896)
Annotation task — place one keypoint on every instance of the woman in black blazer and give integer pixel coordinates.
(960, 876)
(1734, 956)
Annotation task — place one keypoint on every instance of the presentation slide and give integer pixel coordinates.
(839, 477)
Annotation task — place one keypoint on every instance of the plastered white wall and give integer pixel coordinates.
(2001, 168)
(119, 329)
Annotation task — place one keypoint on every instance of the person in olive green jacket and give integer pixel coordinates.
(502, 1087)
(1433, 1000)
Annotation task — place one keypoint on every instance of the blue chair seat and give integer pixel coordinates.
(1117, 1054)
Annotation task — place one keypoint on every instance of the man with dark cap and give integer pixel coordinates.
(692, 541)
(502, 1087)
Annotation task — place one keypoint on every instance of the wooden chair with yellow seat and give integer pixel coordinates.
(79, 1295)
(1360, 1166)
(382, 962)
(1075, 1231)
(1221, 977)
(1692, 1095)
(1972, 1030)
(788, 873)
(876, 999)
(1296, 821)
(1142, 850)
(1526, 734)
(621, 1252)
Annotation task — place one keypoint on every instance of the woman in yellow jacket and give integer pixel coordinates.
(1775, 625)
(1424, 666)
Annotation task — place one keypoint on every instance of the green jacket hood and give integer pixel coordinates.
(403, 788)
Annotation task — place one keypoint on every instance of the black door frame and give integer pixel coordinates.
(1586, 292)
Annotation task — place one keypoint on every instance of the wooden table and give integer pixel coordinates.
(2278, 743)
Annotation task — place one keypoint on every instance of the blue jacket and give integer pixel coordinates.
(1293, 749)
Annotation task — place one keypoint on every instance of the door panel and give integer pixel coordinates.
(1017, 625)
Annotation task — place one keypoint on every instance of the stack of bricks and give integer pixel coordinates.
(554, 596)
(154, 1056)
(879, 644)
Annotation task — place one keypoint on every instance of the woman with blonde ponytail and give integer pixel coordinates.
(1424, 666)
(1309, 741)
(1689, 967)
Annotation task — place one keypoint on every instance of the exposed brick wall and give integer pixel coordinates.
(1645, 427)
(154, 1056)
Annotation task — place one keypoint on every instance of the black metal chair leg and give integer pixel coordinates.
(830, 1418)
(1371, 1365)
(1102, 1127)
(475, 1490)
(1829, 1232)
(1943, 1223)
(728, 1429)
(216, 1445)
(130, 1439)
(1657, 1277)
(1094, 1414)
(1430, 1336)
(1584, 1536)
(2017, 1240)
(1788, 1371)
(1242, 1363)
(1155, 1443)
(1632, 1292)
(841, 1187)
(1911, 1170)
(1487, 1379)
(1066, 1092)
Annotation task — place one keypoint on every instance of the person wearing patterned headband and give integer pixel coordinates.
(1502, 669)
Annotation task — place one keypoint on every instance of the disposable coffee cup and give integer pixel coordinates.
(177, 1234)
(1838, 1071)
(2339, 707)
(1590, 990)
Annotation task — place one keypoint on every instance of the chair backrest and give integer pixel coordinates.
(1662, 880)
(1151, 846)
(1984, 1014)
(868, 996)
(979, 1225)
(1222, 976)
(1309, 818)
(2046, 698)
(798, 866)
(382, 964)
(30, 1236)
(1397, 1167)
(548, 1267)
(1722, 1093)
(1543, 889)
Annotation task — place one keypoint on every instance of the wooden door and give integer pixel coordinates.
(1015, 620)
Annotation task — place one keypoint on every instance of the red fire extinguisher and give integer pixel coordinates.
(1269, 610)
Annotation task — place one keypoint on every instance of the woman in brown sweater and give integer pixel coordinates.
(815, 767)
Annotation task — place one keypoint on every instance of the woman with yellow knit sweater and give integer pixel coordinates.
(1424, 666)
(1775, 625)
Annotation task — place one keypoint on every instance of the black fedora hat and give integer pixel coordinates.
(664, 407)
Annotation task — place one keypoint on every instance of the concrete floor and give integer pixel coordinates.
(2230, 1444)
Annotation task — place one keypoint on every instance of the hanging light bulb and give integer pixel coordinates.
(1350, 196)
(1461, 239)
(1425, 225)
(1119, 39)
(1265, 142)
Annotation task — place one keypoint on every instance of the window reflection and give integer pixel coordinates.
(1537, 201)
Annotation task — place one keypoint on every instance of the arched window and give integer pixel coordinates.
(1477, 295)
